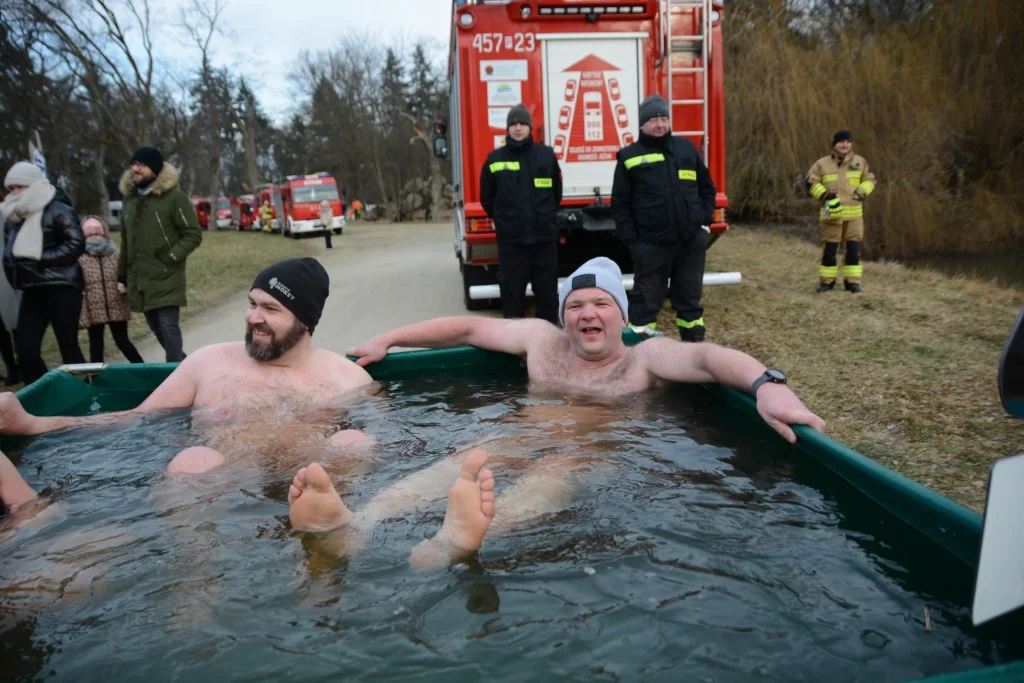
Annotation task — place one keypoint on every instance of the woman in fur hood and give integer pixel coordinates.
(103, 303)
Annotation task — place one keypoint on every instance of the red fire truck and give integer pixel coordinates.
(202, 206)
(243, 213)
(300, 197)
(223, 213)
(581, 68)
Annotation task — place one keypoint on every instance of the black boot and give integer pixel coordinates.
(852, 287)
(691, 334)
(825, 287)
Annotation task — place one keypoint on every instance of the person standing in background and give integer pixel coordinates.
(663, 202)
(841, 181)
(159, 229)
(102, 304)
(520, 189)
(10, 302)
(42, 243)
(327, 220)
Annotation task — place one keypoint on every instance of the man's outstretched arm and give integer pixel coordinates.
(177, 391)
(675, 361)
(506, 336)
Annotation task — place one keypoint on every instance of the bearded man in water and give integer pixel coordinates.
(274, 392)
(587, 355)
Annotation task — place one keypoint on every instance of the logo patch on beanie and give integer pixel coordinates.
(585, 281)
(279, 286)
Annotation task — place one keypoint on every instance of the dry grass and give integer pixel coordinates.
(929, 103)
(224, 264)
(904, 373)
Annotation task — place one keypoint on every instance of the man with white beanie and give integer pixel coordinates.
(588, 353)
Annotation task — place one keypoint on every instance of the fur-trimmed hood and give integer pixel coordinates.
(165, 181)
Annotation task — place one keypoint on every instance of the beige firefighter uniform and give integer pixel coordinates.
(851, 181)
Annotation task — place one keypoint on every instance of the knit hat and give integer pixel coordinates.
(24, 174)
(840, 136)
(150, 156)
(600, 272)
(519, 114)
(300, 284)
(94, 226)
(655, 105)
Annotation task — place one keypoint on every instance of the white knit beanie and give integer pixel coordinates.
(23, 173)
(600, 272)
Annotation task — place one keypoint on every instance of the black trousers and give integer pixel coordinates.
(537, 264)
(7, 353)
(164, 323)
(654, 265)
(41, 307)
(119, 331)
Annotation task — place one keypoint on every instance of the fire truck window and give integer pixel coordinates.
(223, 204)
(314, 193)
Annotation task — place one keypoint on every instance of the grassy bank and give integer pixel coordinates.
(905, 372)
(223, 265)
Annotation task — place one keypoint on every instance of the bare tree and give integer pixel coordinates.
(201, 21)
(92, 41)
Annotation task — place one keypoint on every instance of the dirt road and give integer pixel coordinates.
(382, 276)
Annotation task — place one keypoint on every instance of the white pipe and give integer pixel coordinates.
(477, 292)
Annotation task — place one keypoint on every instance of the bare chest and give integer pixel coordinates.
(557, 366)
(238, 396)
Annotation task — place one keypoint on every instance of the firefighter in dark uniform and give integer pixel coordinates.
(663, 202)
(520, 189)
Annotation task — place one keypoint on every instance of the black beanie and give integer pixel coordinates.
(840, 136)
(300, 284)
(655, 105)
(518, 114)
(150, 156)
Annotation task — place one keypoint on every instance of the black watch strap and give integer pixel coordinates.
(773, 375)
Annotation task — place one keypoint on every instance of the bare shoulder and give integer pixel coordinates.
(208, 356)
(342, 370)
(658, 348)
(538, 335)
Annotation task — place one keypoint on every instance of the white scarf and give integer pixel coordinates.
(26, 208)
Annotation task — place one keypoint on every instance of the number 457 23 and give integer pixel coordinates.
(498, 42)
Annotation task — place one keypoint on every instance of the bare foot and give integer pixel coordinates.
(469, 514)
(315, 505)
(195, 460)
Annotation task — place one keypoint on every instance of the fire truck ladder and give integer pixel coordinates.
(689, 44)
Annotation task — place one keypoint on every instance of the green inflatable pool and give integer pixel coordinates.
(951, 530)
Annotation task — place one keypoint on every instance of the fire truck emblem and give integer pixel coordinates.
(587, 115)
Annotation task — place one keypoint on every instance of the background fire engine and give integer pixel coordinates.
(581, 69)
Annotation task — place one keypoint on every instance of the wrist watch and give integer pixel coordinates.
(770, 375)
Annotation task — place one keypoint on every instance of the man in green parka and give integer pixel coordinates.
(159, 230)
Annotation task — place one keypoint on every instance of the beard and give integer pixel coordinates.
(273, 349)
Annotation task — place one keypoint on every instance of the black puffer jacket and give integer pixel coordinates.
(63, 243)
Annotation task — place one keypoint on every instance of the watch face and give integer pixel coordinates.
(776, 375)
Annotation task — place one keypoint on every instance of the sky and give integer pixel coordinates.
(265, 37)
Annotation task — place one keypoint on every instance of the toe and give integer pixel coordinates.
(318, 479)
